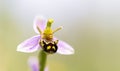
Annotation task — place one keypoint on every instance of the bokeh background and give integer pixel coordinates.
(92, 27)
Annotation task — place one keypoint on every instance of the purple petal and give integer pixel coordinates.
(29, 45)
(64, 48)
(46, 69)
(39, 22)
(33, 63)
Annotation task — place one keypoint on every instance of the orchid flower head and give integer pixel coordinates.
(45, 39)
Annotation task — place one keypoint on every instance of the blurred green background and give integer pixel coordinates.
(92, 27)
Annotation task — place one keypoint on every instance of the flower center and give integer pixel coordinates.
(47, 43)
(49, 47)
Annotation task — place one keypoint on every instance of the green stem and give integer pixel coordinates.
(42, 60)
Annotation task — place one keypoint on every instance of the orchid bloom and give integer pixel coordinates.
(34, 64)
(45, 39)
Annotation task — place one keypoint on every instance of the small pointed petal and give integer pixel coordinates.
(34, 64)
(46, 69)
(64, 48)
(39, 22)
(29, 45)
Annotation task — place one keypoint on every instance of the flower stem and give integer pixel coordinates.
(42, 60)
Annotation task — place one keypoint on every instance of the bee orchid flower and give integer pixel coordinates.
(45, 39)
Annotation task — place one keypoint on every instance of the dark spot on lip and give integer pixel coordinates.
(48, 47)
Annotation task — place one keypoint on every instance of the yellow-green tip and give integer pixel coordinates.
(50, 21)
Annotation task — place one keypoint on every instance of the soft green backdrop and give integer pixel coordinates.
(92, 27)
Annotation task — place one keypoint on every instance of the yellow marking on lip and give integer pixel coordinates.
(41, 43)
(48, 47)
(54, 47)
